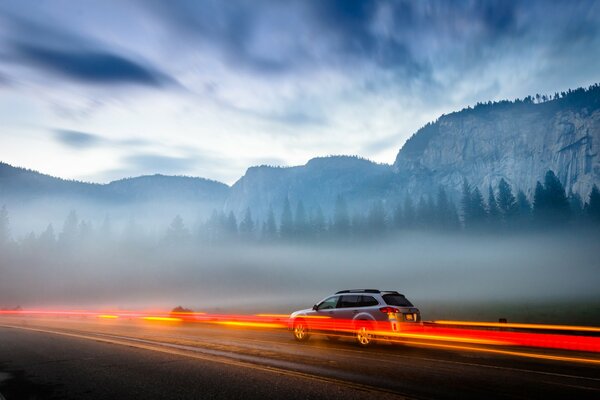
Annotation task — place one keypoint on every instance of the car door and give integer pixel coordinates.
(347, 308)
(323, 313)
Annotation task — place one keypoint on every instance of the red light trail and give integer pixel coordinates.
(441, 334)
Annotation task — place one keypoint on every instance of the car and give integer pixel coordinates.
(361, 313)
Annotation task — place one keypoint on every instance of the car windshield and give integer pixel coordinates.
(396, 300)
(328, 304)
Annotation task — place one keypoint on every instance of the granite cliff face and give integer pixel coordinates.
(515, 141)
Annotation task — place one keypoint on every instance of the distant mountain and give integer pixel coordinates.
(316, 184)
(518, 141)
(24, 184)
(35, 199)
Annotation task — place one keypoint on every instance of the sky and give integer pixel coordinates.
(101, 90)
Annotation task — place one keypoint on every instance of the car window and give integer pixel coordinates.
(328, 303)
(396, 300)
(368, 301)
(348, 301)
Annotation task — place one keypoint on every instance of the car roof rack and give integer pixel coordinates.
(359, 291)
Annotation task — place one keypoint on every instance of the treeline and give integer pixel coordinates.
(498, 209)
(581, 97)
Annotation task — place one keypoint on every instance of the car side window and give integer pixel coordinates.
(368, 301)
(328, 304)
(349, 301)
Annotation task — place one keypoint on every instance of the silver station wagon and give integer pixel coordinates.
(361, 313)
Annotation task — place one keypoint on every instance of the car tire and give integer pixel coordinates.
(364, 335)
(301, 331)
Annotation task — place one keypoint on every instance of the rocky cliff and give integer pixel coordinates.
(518, 141)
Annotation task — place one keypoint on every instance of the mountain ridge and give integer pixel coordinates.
(513, 140)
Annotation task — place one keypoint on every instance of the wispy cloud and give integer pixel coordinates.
(84, 140)
(90, 66)
(78, 140)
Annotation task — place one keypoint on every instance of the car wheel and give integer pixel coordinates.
(301, 331)
(364, 335)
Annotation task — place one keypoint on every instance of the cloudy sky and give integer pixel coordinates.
(99, 90)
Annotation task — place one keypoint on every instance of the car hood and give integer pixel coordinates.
(300, 312)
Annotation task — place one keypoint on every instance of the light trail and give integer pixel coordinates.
(506, 352)
(441, 334)
(251, 324)
(520, 326)
(162, 319)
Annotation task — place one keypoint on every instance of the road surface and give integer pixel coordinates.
(74, 358)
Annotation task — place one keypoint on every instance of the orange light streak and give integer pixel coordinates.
(251, 324)
(163, 319)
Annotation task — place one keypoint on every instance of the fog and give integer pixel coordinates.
(545, 277)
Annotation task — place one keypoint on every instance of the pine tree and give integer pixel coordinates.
(575, 207)
(466, 204)
(397, 218)
(478, 212)
(230, 227)
(555, 192)
(106, 229)
(540, 203)
(4, 226)
(507, 204)
(70, 231)
(247, 225)
(341, 217)
(287, 222)
(270, 227)
(408, 213)
(493, 213)
(523, 209)
(453, 219)
(443, 212)
(300, 222)
(177, 232)
(47, 239)
(550, 205)
(85, 230)
(318, 224)
(593, 206)
(376, 218)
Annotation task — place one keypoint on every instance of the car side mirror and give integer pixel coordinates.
(315, 307)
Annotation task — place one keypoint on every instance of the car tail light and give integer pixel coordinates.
(389, 310)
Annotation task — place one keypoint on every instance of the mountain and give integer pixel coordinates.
(518, 141)
(316, 184)
(34, 198)
(23, 184)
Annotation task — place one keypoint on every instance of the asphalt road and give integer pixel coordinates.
(56, 358)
